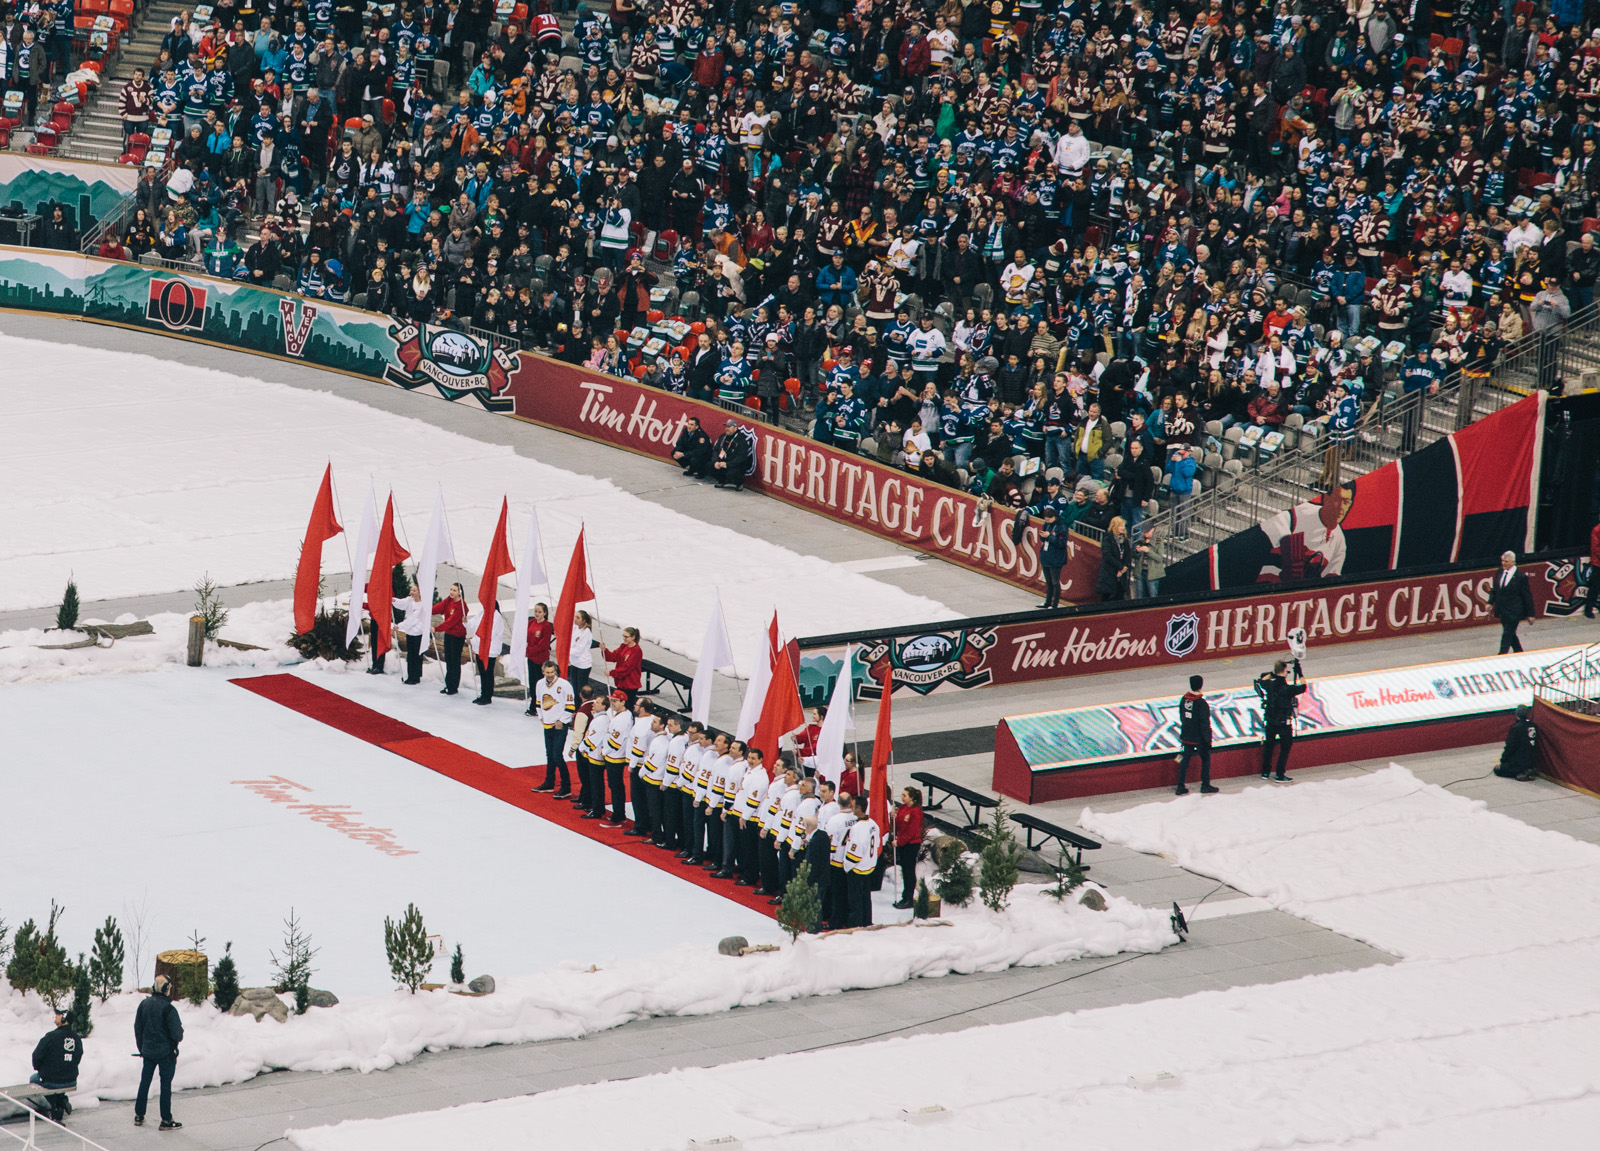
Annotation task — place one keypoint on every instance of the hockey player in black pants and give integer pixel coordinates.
(1278, 693)
(1195, 731)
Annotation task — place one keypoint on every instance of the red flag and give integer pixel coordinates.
(882, 750)
(380, 584)
(781, 712)
(574, 591)
(322, 528)
(498, 564)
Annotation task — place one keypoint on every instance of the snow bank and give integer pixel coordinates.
(22, 658)
(144, 474)
(1385, 858)
(1497, 1045)
(1316, 1062)
(377, 1032)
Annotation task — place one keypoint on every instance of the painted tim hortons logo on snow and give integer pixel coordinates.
(296, 335)
(925, 662)
(338, 816)
(455, 363)
(1183, 634)
(176, 304)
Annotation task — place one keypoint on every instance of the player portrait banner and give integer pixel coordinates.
(841, 486)
(1462, 499)
(979, 653)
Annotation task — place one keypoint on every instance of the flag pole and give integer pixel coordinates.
(344, 536)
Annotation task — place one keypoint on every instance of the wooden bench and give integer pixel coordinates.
(971, 803)
(657, 676)
(21, 1092)
(1070, 841)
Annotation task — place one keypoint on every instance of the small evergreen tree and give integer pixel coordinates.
(5, 940)
(53, 977)
(210, 606)
(997, 864)
(105, 961)
(1069, 875)
(954, 883)
(801, 908)
(399, 582)
(410, 951)
(302, 998)
(225, 980)
(78, 1014)
(21, 971)
(458, 962)
(923, 907)
(294, 969)
(67, 613)
(326, 640)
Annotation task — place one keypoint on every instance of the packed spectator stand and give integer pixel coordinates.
(992, 243)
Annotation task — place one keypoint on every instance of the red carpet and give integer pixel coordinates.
(507, 784)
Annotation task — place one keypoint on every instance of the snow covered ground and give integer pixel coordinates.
(139, 476)
(194, 805)
(1487, 1036)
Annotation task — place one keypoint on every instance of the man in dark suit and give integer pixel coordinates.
(818, 847)
(1512, 601)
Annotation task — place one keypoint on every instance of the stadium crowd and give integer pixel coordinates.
(953, 234)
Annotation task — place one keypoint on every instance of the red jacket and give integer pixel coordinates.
(907, 825)
(541, 633)
(625, 661)
(849, 782)
(455, 617)
(1594, 546)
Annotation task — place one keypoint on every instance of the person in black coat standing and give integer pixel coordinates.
(1116, 561)
(1278, 694)
(1512, 601)
(56, 1060)
(157, 1031)
(1194, 730)
(818, 853)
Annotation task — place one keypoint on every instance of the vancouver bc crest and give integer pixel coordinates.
(926, 661)
(455, 363)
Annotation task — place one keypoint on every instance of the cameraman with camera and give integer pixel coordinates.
(1278, 692)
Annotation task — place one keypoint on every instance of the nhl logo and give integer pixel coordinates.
(1183, 633)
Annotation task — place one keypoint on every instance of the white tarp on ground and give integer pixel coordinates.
(138, 476)
(1494, 1042)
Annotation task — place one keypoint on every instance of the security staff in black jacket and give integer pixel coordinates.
(1194, 729)
(693, 450)
(1278, 694)
(55, 1064)
(1519, 757)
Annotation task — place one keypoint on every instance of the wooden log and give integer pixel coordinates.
(189, 971)
(197, 639)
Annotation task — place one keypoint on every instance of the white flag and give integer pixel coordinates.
(830, 740)
(366, 544)
(755, 693)
(715, 652)
(436, 550)
(529, 572)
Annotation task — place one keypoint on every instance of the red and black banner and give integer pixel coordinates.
(1463, 499)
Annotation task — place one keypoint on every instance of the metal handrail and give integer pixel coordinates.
(35, 1121)
(1572, 683)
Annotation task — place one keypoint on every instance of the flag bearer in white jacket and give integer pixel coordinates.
(861, 847)
(415, 629)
